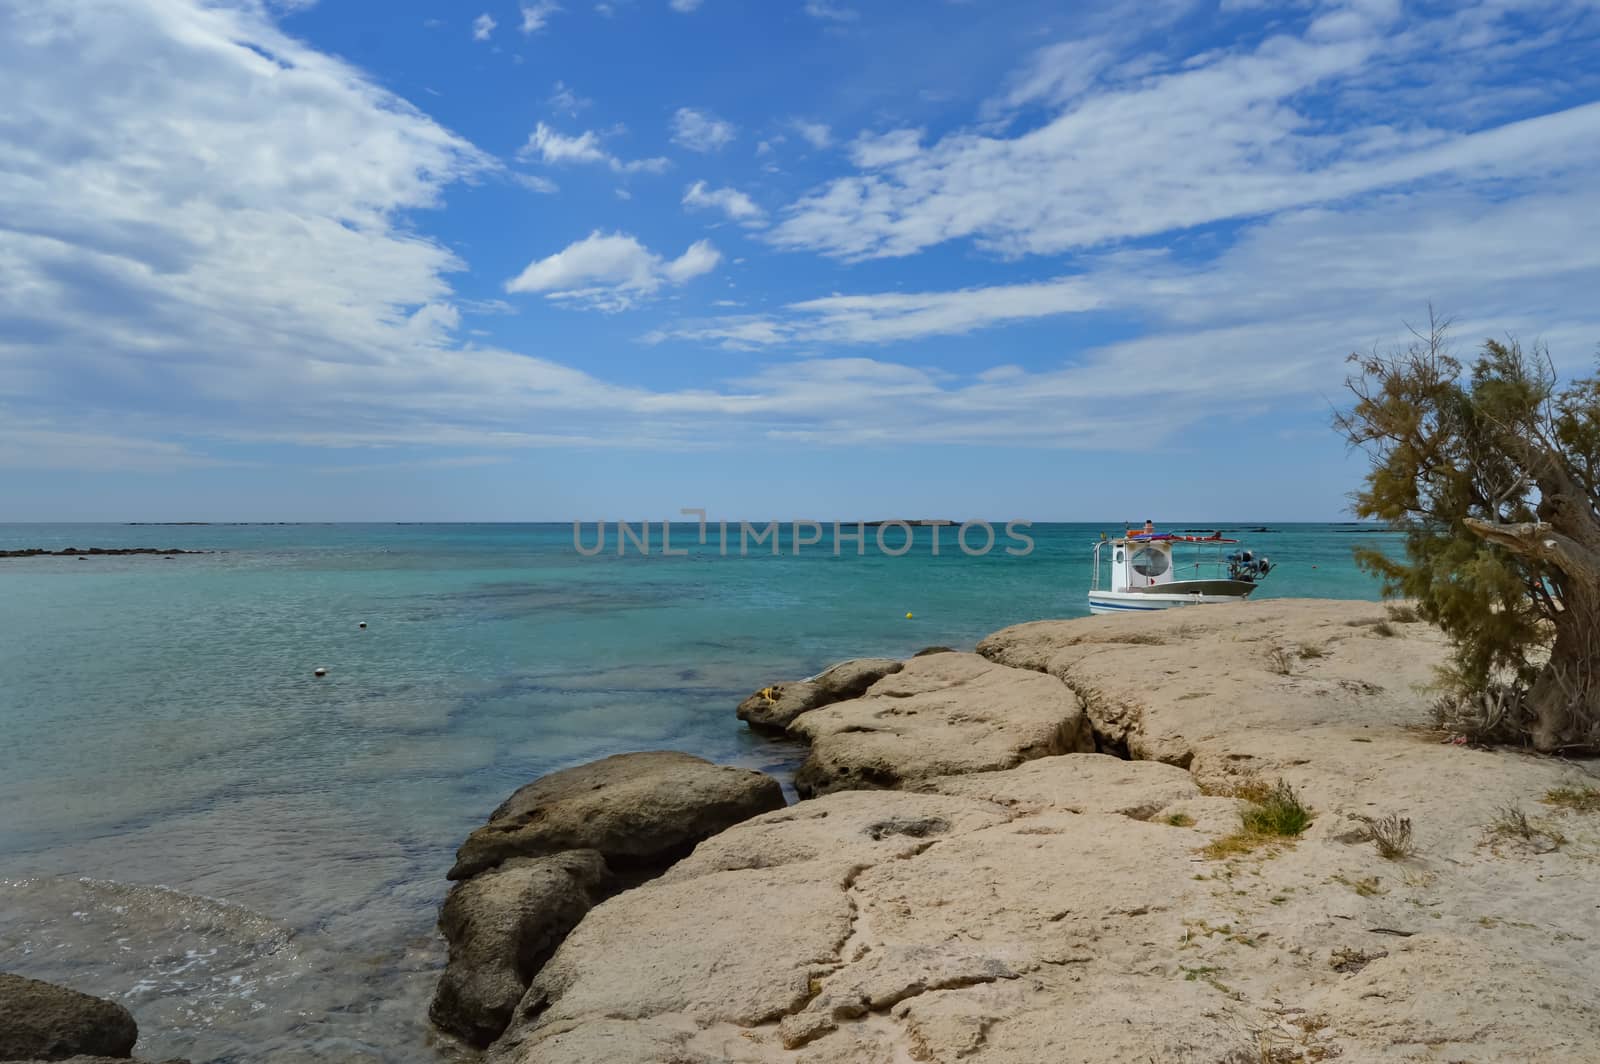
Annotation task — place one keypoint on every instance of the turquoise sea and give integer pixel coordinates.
(250, 858)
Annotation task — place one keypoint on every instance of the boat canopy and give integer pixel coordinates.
(1169, 537)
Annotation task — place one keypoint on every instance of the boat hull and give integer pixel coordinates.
(1166, 596)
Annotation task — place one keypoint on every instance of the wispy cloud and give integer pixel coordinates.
(1224, 136)
(701, 131)
(483, 27)
(611, 271)
(549, 146)
(536, 15)
(731, 202)
(817, 134)
(831, 12)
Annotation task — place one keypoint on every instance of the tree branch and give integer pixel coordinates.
(1535, 539)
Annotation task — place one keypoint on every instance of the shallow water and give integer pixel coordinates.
(251, 858)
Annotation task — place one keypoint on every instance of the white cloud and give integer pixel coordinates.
(685, 7)
(873, 150)
(483, 26)
(563, 99)
(1224, 137)
(536, 15)
(1056, 74)
(611, 271)
(895, 316)
(817, 134)
(831, 12)
(700, 131)
(735, 204)
(556, 149)
(534, 183)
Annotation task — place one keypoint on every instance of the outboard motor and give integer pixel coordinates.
(1244, 565)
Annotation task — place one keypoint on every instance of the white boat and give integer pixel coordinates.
(1152, 570)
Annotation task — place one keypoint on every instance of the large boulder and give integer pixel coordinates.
(42, 1021)
(940, 715)
(640, 811)
(502, 926)
(774, 708)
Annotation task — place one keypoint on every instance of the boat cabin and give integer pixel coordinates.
(1140, 564)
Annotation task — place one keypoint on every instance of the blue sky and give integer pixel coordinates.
(777, 258)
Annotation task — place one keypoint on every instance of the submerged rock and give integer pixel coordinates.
(640, 811)
(502, 926)
(943, 714)
(42, 1021)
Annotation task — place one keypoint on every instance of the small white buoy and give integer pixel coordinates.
(363, 624)
(319, 671)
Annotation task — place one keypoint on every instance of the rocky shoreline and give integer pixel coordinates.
(93, 552)
(1041, 851)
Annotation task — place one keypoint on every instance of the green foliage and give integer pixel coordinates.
(1279, 812)
(1454, 450)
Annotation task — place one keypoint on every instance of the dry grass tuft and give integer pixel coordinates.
(1180, 820)
(1576, 799)
(1312, 651)
(1512, 823)
(1403, 613)
(1385, 629)
(1280, 661)
(1392, 835)
(1347, 960)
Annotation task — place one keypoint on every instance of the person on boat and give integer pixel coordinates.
(1149, 528)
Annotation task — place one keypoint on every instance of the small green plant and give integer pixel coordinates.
(1181, 820)
(1279, 812)
(1577, 799)
(1392, 835)
(1280, 661)
(1403, 613)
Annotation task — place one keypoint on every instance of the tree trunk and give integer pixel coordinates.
(1565, 699)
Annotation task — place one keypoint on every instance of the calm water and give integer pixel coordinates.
(250, 858)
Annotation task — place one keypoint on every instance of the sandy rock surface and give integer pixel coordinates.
(942, 714)
(636, 810)
(1081, 908)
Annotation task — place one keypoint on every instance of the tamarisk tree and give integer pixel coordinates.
(1494, 473)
